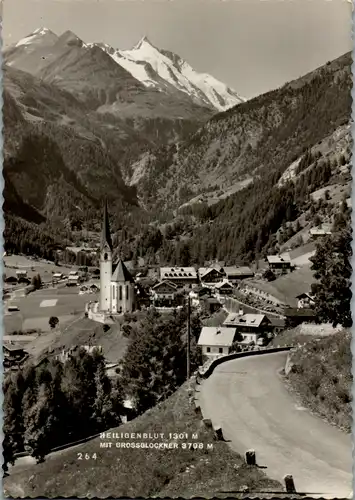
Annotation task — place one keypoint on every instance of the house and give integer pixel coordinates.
(210, 274)
(65, 354)
(216, 340)
(295, 316)
(224, 288)
(279, 262)
(73, 280)
(277, 324)
(164, 294)
(21, 274)
(56, 277)
(305, 300)
(234, 273)
(14, 356)
(180, 276)
(196, 294)
(317, 232)
(209, 305)
(249, 325)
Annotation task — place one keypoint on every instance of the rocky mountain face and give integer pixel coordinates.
(141, 127)
(265, 134)
(91, 115)
(166, 71)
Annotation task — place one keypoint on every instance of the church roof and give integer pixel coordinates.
(121, 273)
(105, 234)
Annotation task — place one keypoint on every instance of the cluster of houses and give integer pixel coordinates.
(239, 331)
(208, 289)
(167, 292)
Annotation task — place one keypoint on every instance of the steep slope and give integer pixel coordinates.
(164, 70)
(90, 115)
(97, 115)
(54, 160)
(208, 472)
(92, 76)
(265, 134)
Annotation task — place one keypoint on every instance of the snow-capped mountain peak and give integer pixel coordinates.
(158, 69)
(36, 36)
(164, 69)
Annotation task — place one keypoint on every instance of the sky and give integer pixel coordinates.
(251, 45)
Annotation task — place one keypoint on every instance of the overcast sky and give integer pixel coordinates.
(251, 45)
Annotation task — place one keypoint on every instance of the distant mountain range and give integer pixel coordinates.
(140, 126)
(162, 69)
(43, 54)
(95, 116)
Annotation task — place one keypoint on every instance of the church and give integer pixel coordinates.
(117, 291)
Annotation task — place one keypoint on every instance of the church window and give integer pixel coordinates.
(120, 292)
(127, 287)
(105, 256)
(113, 292)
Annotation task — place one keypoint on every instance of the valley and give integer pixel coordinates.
(159, 227)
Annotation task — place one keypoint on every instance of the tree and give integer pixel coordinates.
(34, 282)
(332, 269)
(269, 275)
(13, 420)
(53, 321)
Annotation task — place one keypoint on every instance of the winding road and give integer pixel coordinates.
(247, 398)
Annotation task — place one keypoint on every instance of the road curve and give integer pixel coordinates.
(247, 398)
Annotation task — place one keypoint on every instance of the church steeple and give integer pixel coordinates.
(105, 234)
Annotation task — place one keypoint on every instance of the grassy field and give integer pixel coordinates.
(130, 473)
(321, 377)
(287, 287)
(81, 331)
(12, 263)
(73, 328)
(302, 334)
(37, 307)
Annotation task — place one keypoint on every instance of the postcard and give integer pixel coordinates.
(177, 249)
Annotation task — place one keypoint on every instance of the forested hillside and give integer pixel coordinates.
(261, 136)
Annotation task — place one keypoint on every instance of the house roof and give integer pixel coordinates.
(203, 271)
(121, 273)
(165, 282)
(278, 259)
(316, 231)
(216, 336)
(177, 272)
(223, 284)
(277, 321)
(73, 278)
(13, 348)
(304, 294)
(249, 319)
(238, 271)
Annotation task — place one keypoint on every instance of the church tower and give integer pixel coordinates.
(122, 290)
(105, 264)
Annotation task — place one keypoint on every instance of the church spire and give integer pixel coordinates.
(105, 234)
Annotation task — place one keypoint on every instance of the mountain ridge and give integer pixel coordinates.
(152, 67)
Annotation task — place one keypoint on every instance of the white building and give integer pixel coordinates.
(117, 294)
(216, 340)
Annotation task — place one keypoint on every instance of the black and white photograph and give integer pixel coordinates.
(177, 249)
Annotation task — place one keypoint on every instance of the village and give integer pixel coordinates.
(242, 309)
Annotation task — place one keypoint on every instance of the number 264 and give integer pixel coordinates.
(86, 456)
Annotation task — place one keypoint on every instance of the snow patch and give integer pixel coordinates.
(176, 72)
